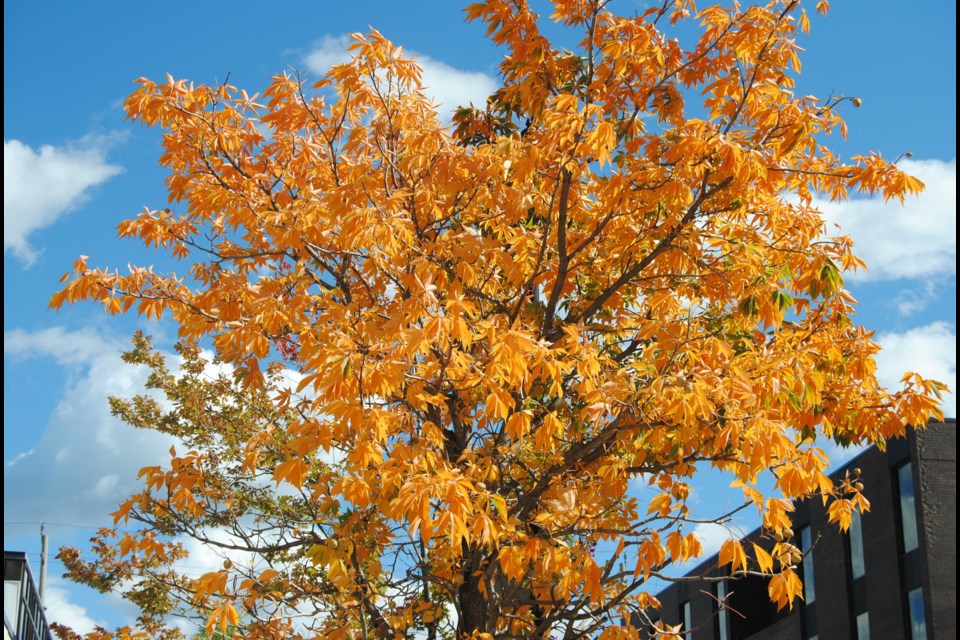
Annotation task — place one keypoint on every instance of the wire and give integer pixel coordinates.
(89, 560)
(52, 524)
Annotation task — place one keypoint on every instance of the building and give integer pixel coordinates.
(23, 617)
(891, 576)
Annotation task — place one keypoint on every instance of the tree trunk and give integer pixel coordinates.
(473, 603)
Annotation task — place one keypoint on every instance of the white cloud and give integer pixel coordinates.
(60, 608)
(39, 186)
(204, 557)
(917, 298)
(916, 240)
(451, 87)
(930, 350)
(86, 460)
(106, 486)
(712, 535)
(328, 51)
(77, 347)
(448, 86)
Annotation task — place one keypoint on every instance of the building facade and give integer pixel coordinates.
(23, 617)
(891, 576)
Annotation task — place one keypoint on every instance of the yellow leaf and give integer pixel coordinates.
(764, 559)
(660, 505)
(732, 554)
(293, 471)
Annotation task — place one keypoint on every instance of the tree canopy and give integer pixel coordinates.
(447, 351)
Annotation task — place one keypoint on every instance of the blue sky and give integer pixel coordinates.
(73, 168)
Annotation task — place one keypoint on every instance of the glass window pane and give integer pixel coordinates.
(918, 618)
(863, 626)
(806, 546)
(687, 617)
(908, 511)
(722, 622)
(857, 565)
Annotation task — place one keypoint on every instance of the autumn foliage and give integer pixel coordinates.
(450, 351)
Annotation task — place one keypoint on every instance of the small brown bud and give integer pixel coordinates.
(857, 102)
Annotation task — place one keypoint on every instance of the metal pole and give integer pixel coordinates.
(44, 543)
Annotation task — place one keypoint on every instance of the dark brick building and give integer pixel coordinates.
(892, 576)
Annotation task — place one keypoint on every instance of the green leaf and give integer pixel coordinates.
(500, 504)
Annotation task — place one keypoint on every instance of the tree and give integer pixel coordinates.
(614, 270)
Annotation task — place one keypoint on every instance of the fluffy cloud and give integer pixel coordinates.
(449, 87)
(60, 608)
(328, 51)
(712, 535)
(930, 350)
(41, 185)
(66, 347)
(915, 240)
(84, 464)
(87, 460)
(918, 297)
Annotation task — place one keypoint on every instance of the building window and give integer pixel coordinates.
(914, 614)
(808, 612)
(723, 622)
(863, 626)
(806, 546)
(687, 614)
(918, 618)
(858, 584)
(857, 565)
(908, 509)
